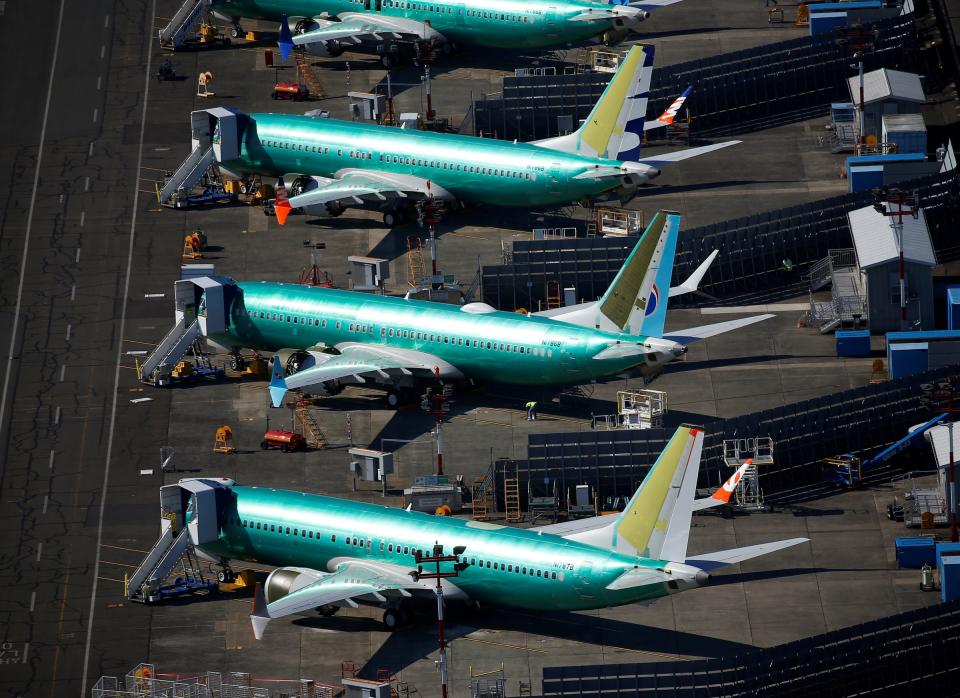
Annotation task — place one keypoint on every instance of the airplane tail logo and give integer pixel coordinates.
(636, 301)
(281, 205)
(656, 522)
(670, 114)
(614, 127)
(285, 39)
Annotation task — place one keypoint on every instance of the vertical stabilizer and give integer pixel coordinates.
(656, 522)
(614, 128)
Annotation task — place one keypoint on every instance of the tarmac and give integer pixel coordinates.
(89, 261)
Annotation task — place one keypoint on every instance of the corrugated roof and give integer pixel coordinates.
(903, 122)
(882, 84)
(939, 439)
(875, 239)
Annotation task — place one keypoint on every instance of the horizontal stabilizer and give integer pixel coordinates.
(695, 334)
(693, 281)
(722, 558)
(652, 4)
(259, 618)
(677, 156)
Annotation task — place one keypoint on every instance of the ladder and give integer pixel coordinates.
(481, 498)
(416, 268)
(189, 173)
(553, 295)
(183, 24)
(307, 75)
(308, 424)
(511, 497)
(171, 349)
(159, 562)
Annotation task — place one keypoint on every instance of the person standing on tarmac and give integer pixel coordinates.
(531, 411)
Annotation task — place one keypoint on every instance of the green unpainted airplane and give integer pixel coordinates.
(325, 339)
(330, 553)
(335, 165)
(395, 27)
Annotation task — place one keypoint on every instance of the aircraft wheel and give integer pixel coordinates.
(392, 218)
(237, 31)
(237, 363)
(386, 61)
(393, 619)
(393, 398)
(264, 445)
(327, 610)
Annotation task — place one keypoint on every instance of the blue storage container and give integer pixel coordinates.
(853, 342)
(906, 359)
(953, 308)
(949, 568)
(947, 550)
(914, 553)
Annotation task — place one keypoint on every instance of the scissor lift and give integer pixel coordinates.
(759, 451)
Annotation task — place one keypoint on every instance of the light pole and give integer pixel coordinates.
(953, 493)
(905, 203)
(436, 558)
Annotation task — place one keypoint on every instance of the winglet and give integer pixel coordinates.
(259, 618)
(278, 382)
(693, 281)
(285, 40)
(281, 205)
(722, 495)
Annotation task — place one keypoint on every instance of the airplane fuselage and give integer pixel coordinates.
(508, 566)
(492, 346)
(474, 170)
(491, 23)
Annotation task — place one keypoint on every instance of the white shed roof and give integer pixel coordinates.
(882, 84)
(939, 439)
(875, 239)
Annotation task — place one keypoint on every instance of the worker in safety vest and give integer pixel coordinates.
(531, 411)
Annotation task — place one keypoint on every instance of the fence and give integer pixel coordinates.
(143, 682)
(912, 653)
(613, 463)
(762, 256)
(733, 93)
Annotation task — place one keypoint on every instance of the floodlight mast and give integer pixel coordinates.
(436, 558)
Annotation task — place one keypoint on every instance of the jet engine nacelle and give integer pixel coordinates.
(294, 360)
(286, 580)
(302, 25)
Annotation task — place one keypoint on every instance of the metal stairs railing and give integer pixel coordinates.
(312, 433)
(481, 491)
(511, 498)
(184, 22)
(188, 174)
(160, 561)
(171, 349)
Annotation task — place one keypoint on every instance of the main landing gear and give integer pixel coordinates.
(237, 31)
(226, 575)
(394, 619)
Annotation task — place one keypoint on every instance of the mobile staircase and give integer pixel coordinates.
(847, 304)
(188, 518)
(176, 188)
(184, 24)
(754, 451)
(170, 351)
(847, 470)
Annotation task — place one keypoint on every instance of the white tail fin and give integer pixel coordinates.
(614, 128)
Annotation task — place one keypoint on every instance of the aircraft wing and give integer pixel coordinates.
(695, 334)
(358, 362)
(352, 28)
(352, 579)
(358, 188)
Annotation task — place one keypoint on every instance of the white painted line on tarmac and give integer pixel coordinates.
(137, 352)
(63, 372)
(154, 295)
(69, 331)
(56, 416)
(39, 550)
(46, 500)
(50, 464)
(73, 292)
(33, 600)
(106, 21)
(138, 400)
(96, 114)
(99, 81)
(86, 184)
(148, 471)
(29, 227)
(76, 258)
(26, 651)
(83, 217)
(122, 333)
(90, 150)
(103, 50)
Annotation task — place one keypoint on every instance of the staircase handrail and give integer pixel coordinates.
(186, 12)
(184, 173)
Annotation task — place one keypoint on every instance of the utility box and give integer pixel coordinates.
(947, 550)
(907, 132)
(368, 273)
(429, 498)
(949, 569)
(853, 343)
(953, 308)
(906, 359)
(369, 465)
(366, 105)
(363, 688)
(914, 553)
(410, 119)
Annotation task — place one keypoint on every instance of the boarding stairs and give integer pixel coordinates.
(190, 172)
(482, 495)
(511, 497)
(309, 426)
(847, 304)
(184, 23)
(171, 349)
(159, 563)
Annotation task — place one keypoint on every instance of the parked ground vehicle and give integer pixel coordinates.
(286, 441)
